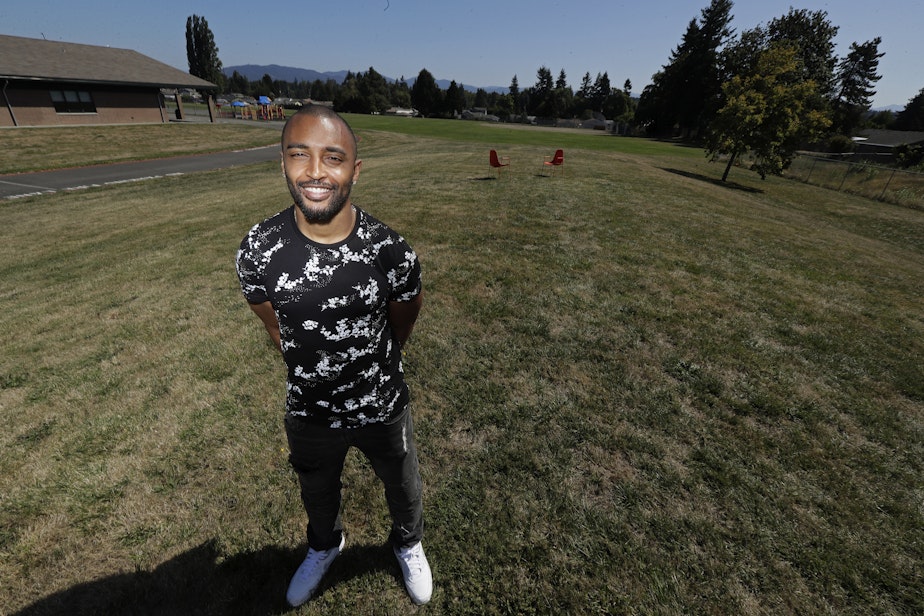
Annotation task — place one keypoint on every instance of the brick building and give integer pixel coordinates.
(49, 83)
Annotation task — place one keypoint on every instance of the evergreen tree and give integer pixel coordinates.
(373, 92)
(400, 94)
(426, 95)
(453, 100)
(540, 99)
(687, 91)
(514, 94)
(238, 84)
(544, 81)
(586, 86)
(599, 93)
(562, 82)
(202, 52)
(481, 98)
(856, 76)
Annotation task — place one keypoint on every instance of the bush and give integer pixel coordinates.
(910, 156)
(841, 144)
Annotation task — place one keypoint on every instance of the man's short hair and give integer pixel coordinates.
(322, 111)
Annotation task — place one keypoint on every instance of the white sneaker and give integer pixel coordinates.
(309, 574)
(417, 577)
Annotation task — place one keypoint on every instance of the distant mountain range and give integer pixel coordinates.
(255, 72)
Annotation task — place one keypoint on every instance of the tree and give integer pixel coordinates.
(238, 83)
(454, 100)
(541, 101)
(562, 82)
(856, 75)
(586, 85)
(481, 98)
(813, 37)
(264, 87)
(373, 91)
(912, 116)
(202, 52)
(767, 113)
(400, 94)
(686, 92)
(426, 95)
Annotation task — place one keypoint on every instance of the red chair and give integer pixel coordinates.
(499, 163)
(551, 162)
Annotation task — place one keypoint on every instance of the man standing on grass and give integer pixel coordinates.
(339, 292)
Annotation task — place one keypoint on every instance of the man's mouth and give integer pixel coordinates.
(316, 192)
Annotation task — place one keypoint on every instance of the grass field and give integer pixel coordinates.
(637, 391)
(40, 149)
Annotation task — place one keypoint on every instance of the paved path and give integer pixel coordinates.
(46, 182)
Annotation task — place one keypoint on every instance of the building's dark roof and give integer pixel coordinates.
(890, 138)
(40, 60)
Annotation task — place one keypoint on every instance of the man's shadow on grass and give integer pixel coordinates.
(715, 181)
(202, 582)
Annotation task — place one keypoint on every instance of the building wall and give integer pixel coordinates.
(32, 106)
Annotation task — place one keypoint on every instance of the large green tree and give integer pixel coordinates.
(766, 114)
(202, 52)
(811, 34)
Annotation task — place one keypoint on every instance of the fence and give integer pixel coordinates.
(861, 178)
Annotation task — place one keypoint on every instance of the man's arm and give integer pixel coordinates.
(402, 316)
(268, 316)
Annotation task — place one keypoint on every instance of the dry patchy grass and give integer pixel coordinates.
(39, 149)
(636, 391)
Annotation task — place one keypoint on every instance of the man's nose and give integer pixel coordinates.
(314, 168)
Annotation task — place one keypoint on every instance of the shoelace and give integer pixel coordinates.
(315, 557)
(412, 558)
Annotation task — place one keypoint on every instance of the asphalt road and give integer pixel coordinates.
(47, 182)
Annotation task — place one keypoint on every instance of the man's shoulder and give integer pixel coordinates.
(374, 228)
(278, 220)
(274, 227)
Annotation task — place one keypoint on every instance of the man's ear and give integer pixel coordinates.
(357, 167)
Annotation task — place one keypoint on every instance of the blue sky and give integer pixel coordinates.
(474, 42)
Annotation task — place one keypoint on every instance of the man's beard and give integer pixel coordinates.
(339, 197)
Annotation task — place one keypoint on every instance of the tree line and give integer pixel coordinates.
(369, 92)
(763, 92)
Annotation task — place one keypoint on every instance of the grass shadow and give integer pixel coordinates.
(713, 181)
(202, 582)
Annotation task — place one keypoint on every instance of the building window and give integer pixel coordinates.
(72, 101)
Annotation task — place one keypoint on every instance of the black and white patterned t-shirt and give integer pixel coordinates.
(331, 300)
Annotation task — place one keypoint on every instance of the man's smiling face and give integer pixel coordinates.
(320, 165)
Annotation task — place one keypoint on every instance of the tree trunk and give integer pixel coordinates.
(731, 160)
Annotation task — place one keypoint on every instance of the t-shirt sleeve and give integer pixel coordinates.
(250, 271)
(405, 276)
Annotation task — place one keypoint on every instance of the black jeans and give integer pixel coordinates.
(317, 454)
